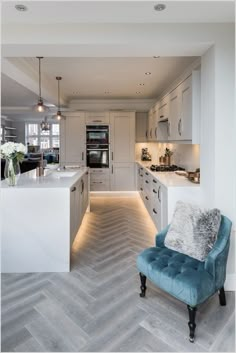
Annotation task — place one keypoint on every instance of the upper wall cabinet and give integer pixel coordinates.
(178, 117)
(97, 118)
(141, 127)
(72, 139)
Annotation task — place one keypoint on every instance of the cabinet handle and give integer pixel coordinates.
(97, 121)
(168, 129)
(156, 132)
(159, 194)
(112, 156)
(146, 134)
(112, 169)
(96, 182)
(154, 181)
(82, 156)
(151, 133)
(73, 189)
(154, 211)
(82, 183)
(146, 173)
(179, 127)
(155, 192)
(146, 198)
(141, 168)
(141, 189)
(161, 117)
(141, 175)
(147, 182)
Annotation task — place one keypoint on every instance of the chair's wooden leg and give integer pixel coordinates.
(222, 296)
(143, 285)
(191, 323)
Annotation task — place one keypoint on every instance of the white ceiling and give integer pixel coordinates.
(51, 12)
(14, 95)
(92, 77)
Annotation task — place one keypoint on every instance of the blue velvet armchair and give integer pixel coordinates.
(187, 279)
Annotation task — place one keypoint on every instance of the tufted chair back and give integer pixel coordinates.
(216, 260)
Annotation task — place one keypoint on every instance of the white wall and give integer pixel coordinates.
(218, 143)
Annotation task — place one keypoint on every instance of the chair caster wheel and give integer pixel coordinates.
(142, 295)
(191, 339)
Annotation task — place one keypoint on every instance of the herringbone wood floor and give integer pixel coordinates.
(96, 307)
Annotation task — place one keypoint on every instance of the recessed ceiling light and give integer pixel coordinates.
(159, 7)
(156, 57)
(106, 92)
(141, 84)
(147, 73)
(138, 92)
(20, 7)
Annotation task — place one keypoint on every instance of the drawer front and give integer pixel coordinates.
(99, 171)
(98, 177)
(96, 185)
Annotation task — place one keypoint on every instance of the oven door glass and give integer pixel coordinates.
(98, 158)
(97, 137)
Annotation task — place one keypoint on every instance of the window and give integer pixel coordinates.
(44, 139)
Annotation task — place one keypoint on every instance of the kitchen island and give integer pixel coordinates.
(40, 218)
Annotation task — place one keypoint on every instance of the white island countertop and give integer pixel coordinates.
(52, 178)
(170, 179)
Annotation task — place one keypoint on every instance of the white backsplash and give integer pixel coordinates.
(185, 155)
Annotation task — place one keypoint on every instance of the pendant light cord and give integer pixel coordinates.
(40, 79)
(59, 95)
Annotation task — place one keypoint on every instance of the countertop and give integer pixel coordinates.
(169, 179)
(51, 179)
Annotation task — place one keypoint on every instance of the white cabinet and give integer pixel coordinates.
(141, 127)
(163, 109)
(99, 179)
(123, 177)
(72, 140)
(152, 127)
(97, 118)
(184, 119)
(79, 198)
(122, 127)
(174, 115)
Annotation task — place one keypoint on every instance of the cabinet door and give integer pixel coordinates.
(141, 127)
(97, 118)
(122, 137)
(122, 177)
(185, 119)
(75, 211)
(73, 140)
(174, 116)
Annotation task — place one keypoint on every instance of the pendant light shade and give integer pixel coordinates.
(59, 114)
(45, 126)
(40, 107)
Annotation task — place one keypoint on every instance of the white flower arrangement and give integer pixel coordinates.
(12, 150)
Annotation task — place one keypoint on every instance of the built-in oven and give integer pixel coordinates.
(97, 146)
(97, 134)
(98, 156)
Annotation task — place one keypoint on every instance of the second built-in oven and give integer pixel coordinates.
(97, 146)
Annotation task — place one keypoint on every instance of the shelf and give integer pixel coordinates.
(10, 136)
(9, 128)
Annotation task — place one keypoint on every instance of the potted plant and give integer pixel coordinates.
(168, 154)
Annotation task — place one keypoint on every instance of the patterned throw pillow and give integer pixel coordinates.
(193, 231)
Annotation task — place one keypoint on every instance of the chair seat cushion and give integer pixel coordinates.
(179, 275)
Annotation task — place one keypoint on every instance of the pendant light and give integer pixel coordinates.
(45, 126)
(40, 107)
(59, 115)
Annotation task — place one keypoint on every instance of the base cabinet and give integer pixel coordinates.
(79, 196)
(122, 177)
(159, 199)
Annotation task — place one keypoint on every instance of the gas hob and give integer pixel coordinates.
(165, 168)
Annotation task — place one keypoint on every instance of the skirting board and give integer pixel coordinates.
(114, 193)
(230, 283)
